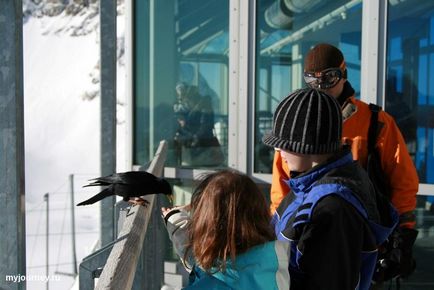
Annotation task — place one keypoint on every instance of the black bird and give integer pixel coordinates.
(129, 184)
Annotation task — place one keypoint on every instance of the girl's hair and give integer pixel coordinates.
(229, 216)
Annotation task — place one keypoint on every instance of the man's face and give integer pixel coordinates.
(335, 91)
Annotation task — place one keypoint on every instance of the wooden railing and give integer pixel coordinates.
(120, 268)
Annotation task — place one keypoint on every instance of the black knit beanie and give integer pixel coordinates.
(307, 121)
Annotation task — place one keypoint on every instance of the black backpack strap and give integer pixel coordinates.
(373, 127)
(397, 250)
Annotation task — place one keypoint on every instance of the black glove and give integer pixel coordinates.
(408, 263)
(396, 255)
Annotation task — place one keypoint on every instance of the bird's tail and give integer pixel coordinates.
(106, 192)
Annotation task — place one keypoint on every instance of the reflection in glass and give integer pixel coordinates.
(181, 83)
(409, 79)
(194, 140)
(286, 30)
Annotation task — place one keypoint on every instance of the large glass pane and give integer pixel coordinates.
(286, 30)
(410, 78)
(180, 81)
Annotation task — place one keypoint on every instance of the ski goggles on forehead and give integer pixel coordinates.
(325, 79)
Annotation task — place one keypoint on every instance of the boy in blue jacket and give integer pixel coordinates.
(331, 218)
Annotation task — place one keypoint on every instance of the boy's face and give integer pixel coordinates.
(295, 161)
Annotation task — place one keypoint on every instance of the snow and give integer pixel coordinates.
(62, 123)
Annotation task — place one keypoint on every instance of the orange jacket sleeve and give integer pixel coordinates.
(397, 165)
(279, 189)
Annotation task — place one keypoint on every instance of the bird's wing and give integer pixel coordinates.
(133, 183)
(97, 183)
(135, 190)
(148, 183)
(106, 192)
(137, 178)
(101, 181)
(110, 179)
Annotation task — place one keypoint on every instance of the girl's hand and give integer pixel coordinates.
(166, 210)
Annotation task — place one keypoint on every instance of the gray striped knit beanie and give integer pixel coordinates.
(307, 121)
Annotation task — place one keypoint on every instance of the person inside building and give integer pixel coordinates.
(195, 141)
(224, 236)
(325, 69)
(331, 217)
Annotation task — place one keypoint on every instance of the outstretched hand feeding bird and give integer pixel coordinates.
(129, 184)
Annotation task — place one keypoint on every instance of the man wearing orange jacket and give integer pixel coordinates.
(325, 69)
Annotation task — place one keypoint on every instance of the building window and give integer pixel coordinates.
(410, 79)
(181, 81)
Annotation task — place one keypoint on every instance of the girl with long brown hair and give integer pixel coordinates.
(225, 236)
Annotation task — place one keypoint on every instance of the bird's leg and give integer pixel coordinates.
(139, 201)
